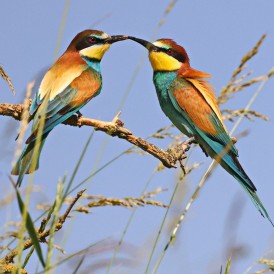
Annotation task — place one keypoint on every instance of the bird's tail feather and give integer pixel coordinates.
(28, 161)
(258, 204)
(231, 164)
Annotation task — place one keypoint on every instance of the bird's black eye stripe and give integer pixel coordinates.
(87, 42)
(156, 49)
(175, 54)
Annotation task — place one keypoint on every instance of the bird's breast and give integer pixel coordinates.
(162, 82)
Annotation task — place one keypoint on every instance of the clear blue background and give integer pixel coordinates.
(216, 34)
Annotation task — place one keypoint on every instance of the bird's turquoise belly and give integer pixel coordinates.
(163, 81)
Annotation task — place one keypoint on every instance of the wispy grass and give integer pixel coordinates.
(61, 29)
(227, 267)
(180, 179)
(125, 230)
(4, 75)
(56, 212)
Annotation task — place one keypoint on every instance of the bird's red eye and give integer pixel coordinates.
(91, 40)
(169, 51)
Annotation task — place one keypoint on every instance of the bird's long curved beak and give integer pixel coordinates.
(115, 38)
(144, 43)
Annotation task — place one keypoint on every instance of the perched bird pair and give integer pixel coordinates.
(184, 96)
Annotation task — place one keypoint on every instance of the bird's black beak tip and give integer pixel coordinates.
(144, 43)
(116, 38)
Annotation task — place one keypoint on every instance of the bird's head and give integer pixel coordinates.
(92, 44)
(164, 54)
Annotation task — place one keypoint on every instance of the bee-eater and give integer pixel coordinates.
(189, 102)
(67, 86)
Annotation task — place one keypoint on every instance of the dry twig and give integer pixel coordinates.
(113, 128)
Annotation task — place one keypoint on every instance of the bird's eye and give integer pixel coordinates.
(169, 51)
(91, 40)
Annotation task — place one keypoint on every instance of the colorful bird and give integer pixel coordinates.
(67, 86)
(189, 102)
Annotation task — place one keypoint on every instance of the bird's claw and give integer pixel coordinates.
(179, 151)
(79, 114)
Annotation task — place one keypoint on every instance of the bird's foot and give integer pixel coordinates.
(179, 151)
(79, 114)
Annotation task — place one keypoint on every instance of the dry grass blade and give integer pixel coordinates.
(127, 202)
(230, 88)
(266, 262)
(7, 268)
(249, 114)
(61, 29)
(266, 270)
(24, 117)
(248, 83)
(270, 73)
(250, 54)
(153, 193)
(6, 78)
(8, 199)
(167, 11)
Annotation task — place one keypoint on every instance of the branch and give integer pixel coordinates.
(113, 128)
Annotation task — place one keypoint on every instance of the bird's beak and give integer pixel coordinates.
(116, 38)
(144, 43)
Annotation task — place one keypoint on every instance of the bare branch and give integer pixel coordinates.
(113, 128)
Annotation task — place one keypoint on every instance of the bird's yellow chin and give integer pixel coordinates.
(160, 61)
(95, 52)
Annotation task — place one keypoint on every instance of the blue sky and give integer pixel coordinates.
(216, 34)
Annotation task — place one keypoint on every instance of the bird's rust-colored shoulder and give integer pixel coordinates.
(69, 66)
(186, 71)
(195, 77)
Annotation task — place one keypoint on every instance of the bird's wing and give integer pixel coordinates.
(51, 112)
(196, 101)
(54, 94)
(68, 67)
(37, 81)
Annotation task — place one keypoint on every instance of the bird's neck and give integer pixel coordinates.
(166, 77)
(92, 63)
(162, 81)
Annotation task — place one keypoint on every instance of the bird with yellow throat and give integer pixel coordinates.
(189, 102)
(70, 83)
